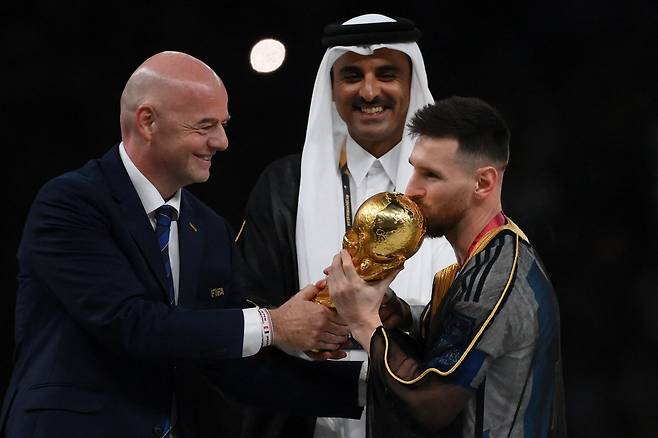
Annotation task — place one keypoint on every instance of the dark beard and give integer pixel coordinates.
(441, 225)
(434, 230)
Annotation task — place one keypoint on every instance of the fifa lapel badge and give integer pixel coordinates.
(217, 292)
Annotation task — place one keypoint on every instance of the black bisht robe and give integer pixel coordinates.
(269, 273)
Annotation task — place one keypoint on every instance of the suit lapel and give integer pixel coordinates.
(132, 214)
(190, 244)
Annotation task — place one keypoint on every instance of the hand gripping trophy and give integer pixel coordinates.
(388, 229)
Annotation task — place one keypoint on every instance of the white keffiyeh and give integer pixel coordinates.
(320, 223)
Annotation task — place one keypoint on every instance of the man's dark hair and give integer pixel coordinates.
(478, 127)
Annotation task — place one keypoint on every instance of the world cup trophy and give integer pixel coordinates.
(388, 228)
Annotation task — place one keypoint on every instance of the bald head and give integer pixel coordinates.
(163, 80)
(173, 112)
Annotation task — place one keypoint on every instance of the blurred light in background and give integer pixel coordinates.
(267, 55)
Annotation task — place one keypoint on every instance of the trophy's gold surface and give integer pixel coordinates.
(388, 229)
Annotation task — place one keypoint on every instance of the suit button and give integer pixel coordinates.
(157, 431)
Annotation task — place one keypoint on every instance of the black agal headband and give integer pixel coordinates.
(401, 31)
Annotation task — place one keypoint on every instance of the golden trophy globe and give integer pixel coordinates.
(388, 228)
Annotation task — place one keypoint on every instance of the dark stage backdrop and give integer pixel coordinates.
(576, 81)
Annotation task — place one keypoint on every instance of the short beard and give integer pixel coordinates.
(442, 225)
(434, 230)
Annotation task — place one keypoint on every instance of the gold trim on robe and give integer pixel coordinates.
(442, 282)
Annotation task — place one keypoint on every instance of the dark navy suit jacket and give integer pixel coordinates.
(98, 350)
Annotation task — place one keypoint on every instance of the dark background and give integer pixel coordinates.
(575, 80)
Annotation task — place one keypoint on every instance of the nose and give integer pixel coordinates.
(369, 88)
(218, 140)
(414, 189)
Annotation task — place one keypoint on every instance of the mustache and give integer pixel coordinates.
(377, 101)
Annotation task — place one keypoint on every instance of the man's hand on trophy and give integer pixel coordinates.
(356, 300)
(302, 324)
(395, 312)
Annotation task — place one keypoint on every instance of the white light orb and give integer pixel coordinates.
(267, 55)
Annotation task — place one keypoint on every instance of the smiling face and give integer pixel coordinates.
(371, 94)
(174, 109)
(189, 131)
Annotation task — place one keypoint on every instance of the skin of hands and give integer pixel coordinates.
(302, 324)
(394, 311)
(357, 301)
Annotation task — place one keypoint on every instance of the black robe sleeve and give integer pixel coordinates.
(403, 410)
(268, 273)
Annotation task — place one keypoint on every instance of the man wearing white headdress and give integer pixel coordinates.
(370, 82)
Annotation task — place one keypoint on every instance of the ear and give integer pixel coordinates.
(145, 121)
(486, 181)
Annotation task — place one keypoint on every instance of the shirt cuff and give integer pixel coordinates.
(253, 332)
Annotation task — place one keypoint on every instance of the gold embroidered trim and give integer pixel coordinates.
(442, 282)
(244, 222)
(490, 235)
(444, 278)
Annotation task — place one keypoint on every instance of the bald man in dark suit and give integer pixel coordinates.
(127, 310)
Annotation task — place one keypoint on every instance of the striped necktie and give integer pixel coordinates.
(163, 217)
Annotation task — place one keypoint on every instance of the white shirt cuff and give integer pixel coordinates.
(253, 332)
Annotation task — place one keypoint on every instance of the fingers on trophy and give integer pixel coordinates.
(388, 229)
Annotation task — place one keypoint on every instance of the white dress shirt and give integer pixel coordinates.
(368, 176)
